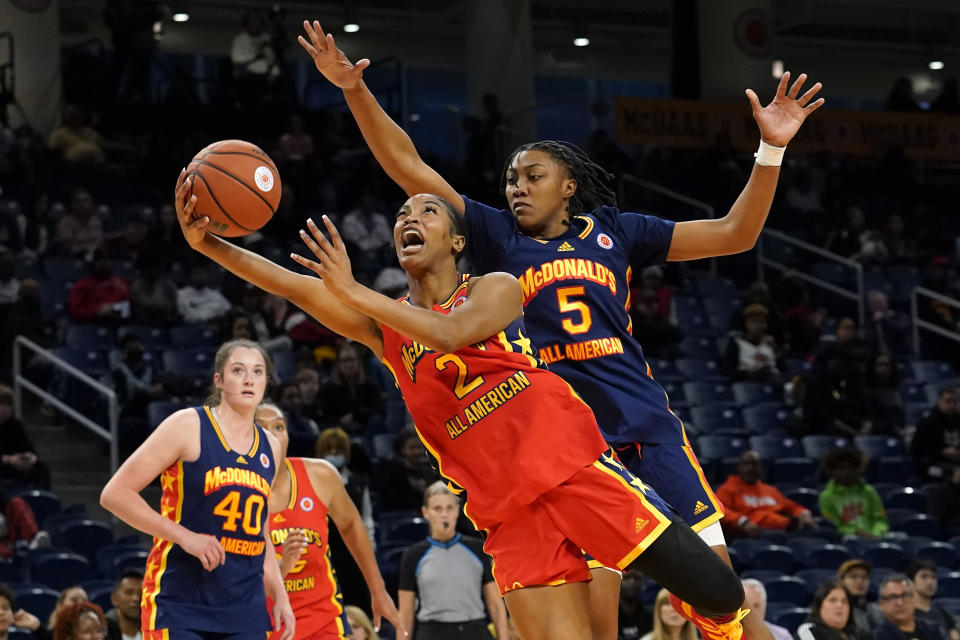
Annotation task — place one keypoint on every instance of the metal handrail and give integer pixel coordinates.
(919, 323)
(762, 260)
(113, 406)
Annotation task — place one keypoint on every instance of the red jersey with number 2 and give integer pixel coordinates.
(497, 422)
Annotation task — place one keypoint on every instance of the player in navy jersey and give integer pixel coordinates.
(212, 564)
(572, 250)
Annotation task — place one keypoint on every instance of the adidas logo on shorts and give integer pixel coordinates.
(641, 523)
(700, 508)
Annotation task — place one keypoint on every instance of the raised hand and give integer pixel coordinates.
(193, 228)
(330, 61)
(334, 266)
(780, 120)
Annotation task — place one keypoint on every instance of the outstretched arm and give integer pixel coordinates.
(495, 299)
(738, 231)
(391, 146)
(308, 293)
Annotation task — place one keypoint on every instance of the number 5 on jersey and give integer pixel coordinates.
(567, 305)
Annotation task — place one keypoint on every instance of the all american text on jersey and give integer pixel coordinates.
(486, 404)
(585, 350)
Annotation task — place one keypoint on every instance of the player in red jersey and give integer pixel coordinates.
(488, 410)
(305, 491)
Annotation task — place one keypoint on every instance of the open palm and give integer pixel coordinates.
(330, 61)
(780, 120)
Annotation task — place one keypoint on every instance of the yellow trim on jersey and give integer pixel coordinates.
(629, 302)
(439, 460)
(223, 440)
(718, 508)
(464, 281)
(508, 347)
(293, 484)
(151, 598)
(663, 521)
(336, 590)
(396, 380)
(589, 221)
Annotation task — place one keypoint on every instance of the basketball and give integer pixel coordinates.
(237, 187)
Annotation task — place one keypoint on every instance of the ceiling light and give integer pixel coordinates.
(936, 65)
(351, 27)
(181, 16)
(581, 41)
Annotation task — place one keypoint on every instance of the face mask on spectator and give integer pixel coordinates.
(336, 459)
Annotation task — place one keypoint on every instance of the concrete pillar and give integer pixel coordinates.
(35, 31)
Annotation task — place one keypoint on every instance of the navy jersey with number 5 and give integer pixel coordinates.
(576, 290)
(222, 493)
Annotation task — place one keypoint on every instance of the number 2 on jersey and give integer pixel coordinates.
(564, 295)
(461, 388)
(229, 508)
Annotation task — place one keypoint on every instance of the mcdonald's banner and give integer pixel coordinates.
(693, 124)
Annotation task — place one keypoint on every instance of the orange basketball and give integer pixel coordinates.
(237, 187)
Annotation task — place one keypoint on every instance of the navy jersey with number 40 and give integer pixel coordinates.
(576, 291)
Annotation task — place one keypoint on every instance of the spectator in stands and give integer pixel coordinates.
(153, 294)
(134, 380)
(18, 527)
(296, 145)
(11, 616)
(442, 588)
(75, 140)
(9, 282)
(846, 240)
(36, 225)
(833, 402)
(652, 279)
(658, 336)
(405, 477)
(80, 621)
(801, 322)
(901, 96)
(123, 621)
(299, 424)
(100, 297)
(365, 229)
(80, 232)
(360, 626)
(18, 457)
(924, 575)
(69, 596)
(25, 319)
(308, 380)
(752, 505)
(757, 603)
(945, 504)
(634, 619)
(936, 443)
(334, 446)
(883, 403)
(349, 399)
(847, 345)
(881, 332)
(848, 501)
(899, 612)
(667, 623)
(854, 574)
(253, 55)
(901, 249)
(751, 356)
(803, 196)
(949, 99)
(199, 302)
(830, 617)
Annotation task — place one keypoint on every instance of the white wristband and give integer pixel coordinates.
(768, 155)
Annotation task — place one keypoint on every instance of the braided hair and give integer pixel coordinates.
(592, 180)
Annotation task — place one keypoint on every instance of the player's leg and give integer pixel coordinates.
(604, 601)
(675, 474)
(551, 613)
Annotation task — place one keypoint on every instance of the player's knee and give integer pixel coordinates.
(723, 592)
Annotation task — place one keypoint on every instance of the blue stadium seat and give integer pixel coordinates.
(828, 556)
(665, 371)
(403, 532)
(389, 560)
(915, 412)
(54, 297)
(717, 420)
(816, 577)
(194, 336)
(901, 470)
(720, 309)
(674, 391)
(382, 445)
(880, 446)
(696, 324)
(64, 269)
(775, 608)
(943, 554)
(797, 366)
(766, 419)
(687, 305)
(107, 554)
(792, 470)
(710, 285)
(699, 347)
(933, 370)
(949, 586)
(153, 338)
(773, 447)
(190, 362)
(60, 570)
(10, 570)
(130, 560)
(158, 410)
(42, 503)
(718, 447)
(809, 498)
(754, 393)
(834, 273)
(700, 370)
(950, 604)
(884, 554)
(918, 525)
(38, 600)
(90, 337)
(773, 556)
(906, 498)
(913, 393)
(101, 597)
(763, 575)
(815, 446)
(788, 589)
(85, 537)
(708, 393)
(793, 618)
(90, 361)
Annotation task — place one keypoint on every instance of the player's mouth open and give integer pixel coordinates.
(411, 240)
